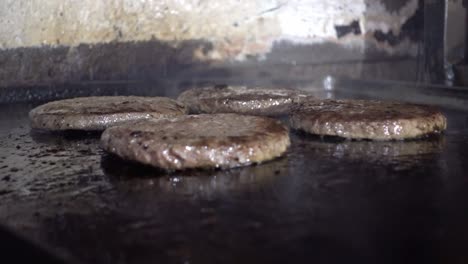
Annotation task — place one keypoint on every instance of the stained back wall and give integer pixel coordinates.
(59, 41)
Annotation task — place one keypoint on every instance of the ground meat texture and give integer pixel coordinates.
(99, 113)
(240, 99)
(201, 141)
(367, 119)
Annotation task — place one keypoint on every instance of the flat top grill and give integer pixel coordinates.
(327, 201)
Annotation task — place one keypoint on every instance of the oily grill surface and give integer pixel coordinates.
(326, 201)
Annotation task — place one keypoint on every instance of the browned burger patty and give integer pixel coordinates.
(240, 99)
(98, 113)
(361, 119)
(201, 141)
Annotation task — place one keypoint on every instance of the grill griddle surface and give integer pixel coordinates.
(327, 201)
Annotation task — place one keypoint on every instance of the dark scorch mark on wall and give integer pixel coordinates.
(343, 30)
(412, 29)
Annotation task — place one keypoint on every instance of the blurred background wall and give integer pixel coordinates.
(60, 41)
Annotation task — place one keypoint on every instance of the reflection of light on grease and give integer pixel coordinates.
(189, 148)
(409, 152)
(397, 128)
(193, 182)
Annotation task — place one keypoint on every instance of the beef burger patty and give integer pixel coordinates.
(98, 113)
(240, 99)
(367, 119)
(200, 141)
